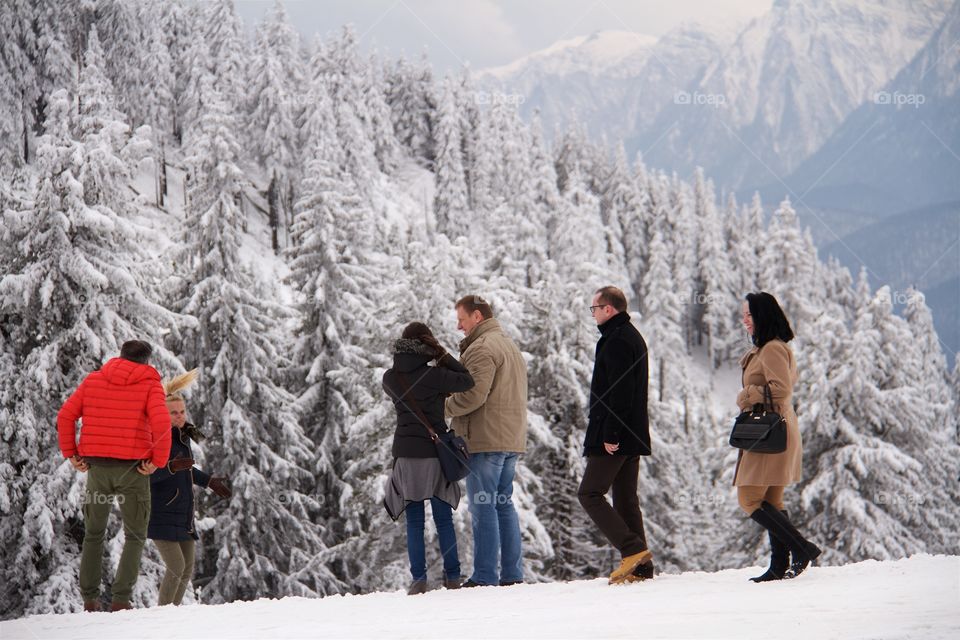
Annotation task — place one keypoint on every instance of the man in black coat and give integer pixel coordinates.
(618, 433)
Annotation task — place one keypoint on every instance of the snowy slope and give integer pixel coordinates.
(911, 598)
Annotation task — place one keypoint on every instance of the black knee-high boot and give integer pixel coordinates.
(779, 559)
(777, 523)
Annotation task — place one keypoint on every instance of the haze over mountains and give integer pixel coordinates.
(850, 108)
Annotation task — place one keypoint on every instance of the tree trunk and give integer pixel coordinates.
(274, 215)
(663, 377)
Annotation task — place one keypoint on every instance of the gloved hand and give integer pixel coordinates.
(179, 464)
(219, 487)
(432, 342)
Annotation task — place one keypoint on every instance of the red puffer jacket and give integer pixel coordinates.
(124, 414)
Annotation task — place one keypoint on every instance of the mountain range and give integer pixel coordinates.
(850, 108)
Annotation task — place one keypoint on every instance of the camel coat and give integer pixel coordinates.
(775, 365)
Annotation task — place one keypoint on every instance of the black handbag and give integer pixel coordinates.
(451, 448)
(760, 430)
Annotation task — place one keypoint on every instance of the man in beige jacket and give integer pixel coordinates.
(492, 418)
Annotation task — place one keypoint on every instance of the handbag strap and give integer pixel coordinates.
(416, 408)
(768, 397)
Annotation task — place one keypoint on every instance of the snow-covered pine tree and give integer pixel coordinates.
(379, 117)
(450, 197)
(578, 244)
(932, 441)
(515, 229)
(635, 220)
(672, 499)
(680, 226)
(469, 120)
(480, 162)
(868, 439)
(955, 384)
(18, 84)
(740, 282)
(15, 451)
(748, 235)
(156, 101)
(559, 379)
(223, 53)
(413, 104)
(717, 303)
(265, 542)
(617, 197)
(271, 98)
(176, 31)
(343, 72)
(568, 152)
(109, 151)
(273, 108)
(73, 292)
(122, 26)
(342, 349)
(789, 268)
(37, 47)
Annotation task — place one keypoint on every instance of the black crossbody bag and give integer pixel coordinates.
(451, 448)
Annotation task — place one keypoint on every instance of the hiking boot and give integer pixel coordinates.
(642, 572)
(417, 587)
(510, 583)
(91, 605)
(628, 564)
(120, 606)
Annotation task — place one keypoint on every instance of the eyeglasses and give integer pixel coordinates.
(598, 306)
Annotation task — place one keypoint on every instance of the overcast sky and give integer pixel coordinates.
(489, 33)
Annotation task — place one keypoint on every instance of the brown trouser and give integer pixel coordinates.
(622, 523)
(751, 496)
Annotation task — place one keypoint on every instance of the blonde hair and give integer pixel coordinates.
(177, 384)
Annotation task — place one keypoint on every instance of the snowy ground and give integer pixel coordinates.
(918, 597)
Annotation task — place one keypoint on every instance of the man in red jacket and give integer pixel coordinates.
(124, 437)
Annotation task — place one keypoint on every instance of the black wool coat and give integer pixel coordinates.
(618, 391)
(428, 388)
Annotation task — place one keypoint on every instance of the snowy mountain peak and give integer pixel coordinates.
(598, 52)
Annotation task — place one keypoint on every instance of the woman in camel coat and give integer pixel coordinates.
(761, 478)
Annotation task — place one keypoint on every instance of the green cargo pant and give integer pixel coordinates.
(132, 492)
(178, 557)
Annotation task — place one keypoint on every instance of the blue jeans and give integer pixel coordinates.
(416, 551)
(496, 527)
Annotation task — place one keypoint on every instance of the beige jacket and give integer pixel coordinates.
(492, 416)
(775, 365)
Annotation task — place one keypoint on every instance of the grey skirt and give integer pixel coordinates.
(416, 480)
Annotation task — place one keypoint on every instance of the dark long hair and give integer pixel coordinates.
(416, 330)
(769, 321)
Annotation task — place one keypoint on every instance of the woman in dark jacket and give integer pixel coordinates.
(171, 495)
(412, 384)
(762, 477)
